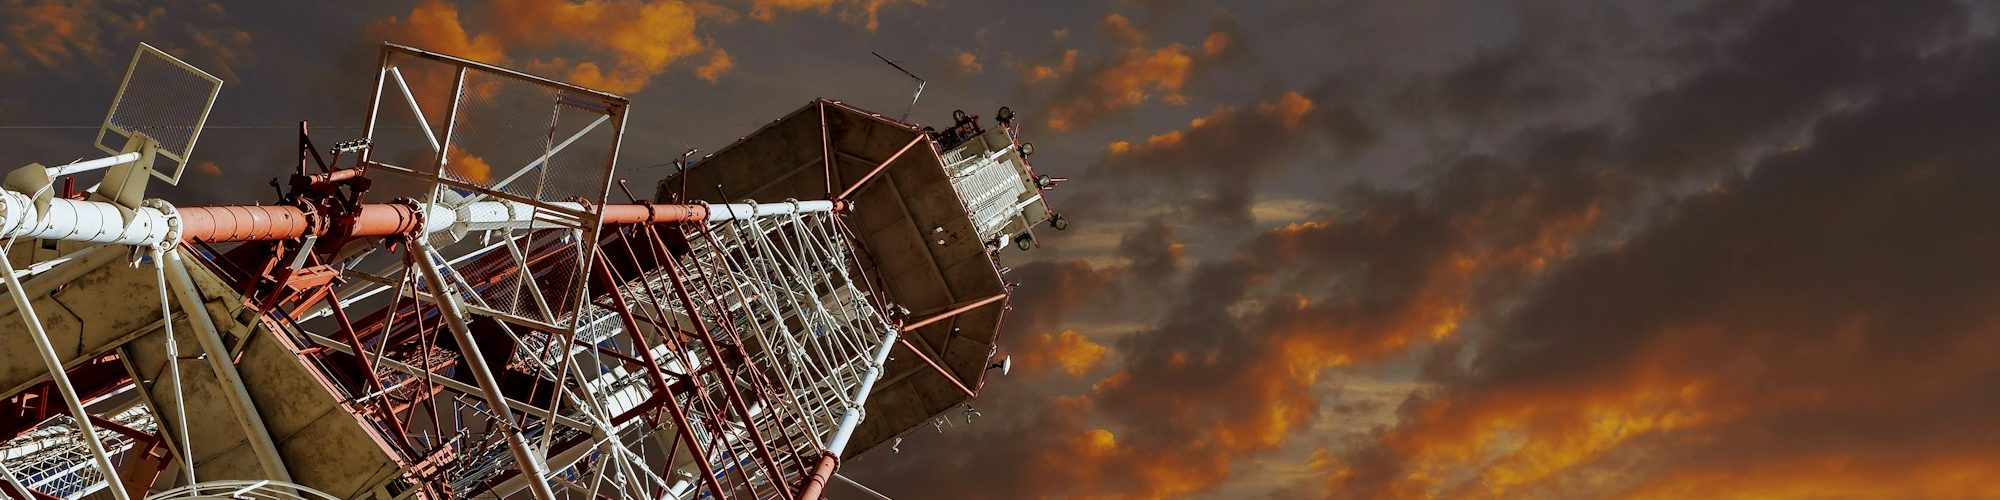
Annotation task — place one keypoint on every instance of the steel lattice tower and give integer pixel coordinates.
(454, 306)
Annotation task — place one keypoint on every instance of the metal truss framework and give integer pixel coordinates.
(501, 332)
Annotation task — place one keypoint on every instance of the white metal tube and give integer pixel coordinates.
(415, 111)
(449, 383)
(733, 211)
(60, 376)
(489, 386)
(864, 489)
(853, 416)
(173, 366)
(86, 166)
(8, 474)
(551, 153)
(73, 220)
(225, 371)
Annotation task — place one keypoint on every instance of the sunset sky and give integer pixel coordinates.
(1320, 248)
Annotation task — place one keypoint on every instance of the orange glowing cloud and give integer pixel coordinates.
(1215, 44)
(718, 63)
(1201, 409)
(1070, 353)
(1142, 75)
(968, 63)
(1524, 443)
(1163, 69)
(1136, 75)
(51, 32)
(1119, 30)
(1630, 375)
(469, 168)
(1096, 463)
(1932, 476)
(1042, 72)
(434, 25)
(1288, 110)
(629, 42)
(859, 11)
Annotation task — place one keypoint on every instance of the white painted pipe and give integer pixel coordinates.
(86, 166)
(7, 474)
(261, 442)
(852, 417)
(417, 112)
(489, 386)
(72, 220)
(733, 211)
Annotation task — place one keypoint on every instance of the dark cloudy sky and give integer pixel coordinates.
(1357, 249)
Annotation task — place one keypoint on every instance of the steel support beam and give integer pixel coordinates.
(489, 386)
(220, 361)
(953, 312)
(863, 181)
(185, 442)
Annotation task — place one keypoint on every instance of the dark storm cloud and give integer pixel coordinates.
(1790, 65)
(1616, 309)
(1803, 328)
(67, 38)
(1219, 159)
(1824, 310)
(1153, 250)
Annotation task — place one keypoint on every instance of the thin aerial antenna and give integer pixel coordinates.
(913, 76)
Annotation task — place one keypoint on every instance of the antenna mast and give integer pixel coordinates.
(913, 76)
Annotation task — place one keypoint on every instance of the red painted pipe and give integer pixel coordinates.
(280, 222)
(815, 486)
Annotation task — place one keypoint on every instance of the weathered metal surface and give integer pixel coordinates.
(913, 230)
(111, 308)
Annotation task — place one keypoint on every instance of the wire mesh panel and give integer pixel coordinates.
(470, 134)
(490, 132)
(164, 99)
(473, 132)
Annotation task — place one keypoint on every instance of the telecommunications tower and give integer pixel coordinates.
(464, 302)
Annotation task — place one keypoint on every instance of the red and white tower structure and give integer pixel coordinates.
(463, 302)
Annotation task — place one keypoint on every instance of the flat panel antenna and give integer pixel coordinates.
(165, 99)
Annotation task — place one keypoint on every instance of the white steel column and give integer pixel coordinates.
(853, 415)
(454, 317)
(225, 370)
(13, 481)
